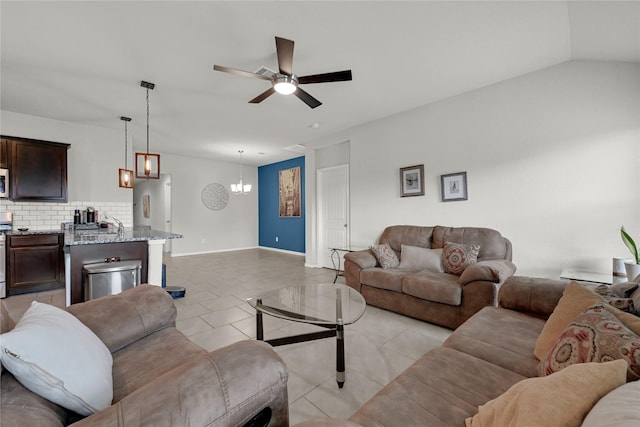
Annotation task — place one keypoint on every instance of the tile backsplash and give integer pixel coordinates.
(49, 216)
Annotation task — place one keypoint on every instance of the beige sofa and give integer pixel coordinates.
(480, 361)
(434, 296)
(160, 378)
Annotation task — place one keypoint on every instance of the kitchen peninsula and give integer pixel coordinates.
(92, 246)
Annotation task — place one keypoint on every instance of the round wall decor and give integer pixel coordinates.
(215, 196)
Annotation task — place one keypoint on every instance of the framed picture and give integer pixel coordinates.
(412, 181)
(290, 197)
(454, 186)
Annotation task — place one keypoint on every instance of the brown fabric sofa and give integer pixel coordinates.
(481, 360)
(160, 378)
(436, 297)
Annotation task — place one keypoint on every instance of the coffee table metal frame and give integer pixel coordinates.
(333, 329)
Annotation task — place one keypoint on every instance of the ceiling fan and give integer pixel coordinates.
(285, 82)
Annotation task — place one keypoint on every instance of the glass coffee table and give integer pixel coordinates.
(327, 305)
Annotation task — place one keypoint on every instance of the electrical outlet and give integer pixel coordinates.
(276, 239)
(202, 241)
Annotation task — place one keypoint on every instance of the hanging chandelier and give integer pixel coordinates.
(240, 189)
(147, 164)
(125, 176)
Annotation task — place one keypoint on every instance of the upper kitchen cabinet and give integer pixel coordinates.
(37, 170)
(4, 153)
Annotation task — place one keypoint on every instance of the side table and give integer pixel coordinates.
(336, 259)
(587, 276)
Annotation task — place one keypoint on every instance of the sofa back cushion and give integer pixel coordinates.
(492, 244)
(411, 235)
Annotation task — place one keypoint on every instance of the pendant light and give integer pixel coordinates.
(125, 176)
(147, 164)
(241, 189)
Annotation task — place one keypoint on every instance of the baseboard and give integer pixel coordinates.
(282, 251)
(214, 252)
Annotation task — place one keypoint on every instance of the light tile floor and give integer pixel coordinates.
(214, 314)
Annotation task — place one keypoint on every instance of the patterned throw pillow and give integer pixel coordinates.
(614, 299)
(457, 256)
(385, 255)
(595, 335)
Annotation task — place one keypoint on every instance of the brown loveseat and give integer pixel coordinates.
(480, 361)
(160, 378)
(434, 296)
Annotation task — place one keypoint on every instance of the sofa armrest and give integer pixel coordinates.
(494, 271)
(119, 320)
(227, 387)
(363, 259)
(536, 296)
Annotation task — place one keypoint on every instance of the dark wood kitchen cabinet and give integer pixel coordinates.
(4, 153)
(35, 262)
(37, 170)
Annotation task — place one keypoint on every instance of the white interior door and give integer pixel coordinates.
(333, 206)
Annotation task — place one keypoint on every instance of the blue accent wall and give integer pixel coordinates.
(289, 231)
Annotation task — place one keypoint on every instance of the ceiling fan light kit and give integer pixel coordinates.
(285, 82)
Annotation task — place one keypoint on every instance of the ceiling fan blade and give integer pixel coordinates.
(264, 95)
(306, 98)
(338, 76)
(240, 72)
(284, 48)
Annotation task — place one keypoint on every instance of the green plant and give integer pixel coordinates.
(628, 241)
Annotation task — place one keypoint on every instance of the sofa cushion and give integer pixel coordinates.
(595, 335)
(503, 337)
(619, 408)
(417, 258)
(167, 348)
(390, 279)
(564, 398)
(426, 395)
(458, 256)
(54, 355)
(414, 235)
(492, 244)
(385, 256)
(433, 286)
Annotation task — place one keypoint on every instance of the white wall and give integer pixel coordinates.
(552, 161)
(204, 230)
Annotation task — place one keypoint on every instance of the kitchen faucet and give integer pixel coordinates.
(120, 225)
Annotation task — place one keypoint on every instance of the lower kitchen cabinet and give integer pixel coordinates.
(35, 262)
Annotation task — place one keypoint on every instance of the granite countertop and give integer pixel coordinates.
(103, 235)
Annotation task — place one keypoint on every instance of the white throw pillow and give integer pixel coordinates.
(56, 356)
(619, 408)
(417, 258)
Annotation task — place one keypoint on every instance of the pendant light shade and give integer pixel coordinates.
(147, 164)
(240, 189)
(125, 176)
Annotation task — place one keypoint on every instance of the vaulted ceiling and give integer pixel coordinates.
(82, 62)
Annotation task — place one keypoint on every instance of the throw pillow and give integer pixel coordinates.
(57, 357)
(575, 299)
(595, 335)
(457, 256)
(612, 298)
(619, 408)
(417, 258)
(385, 256)
(564, 397)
